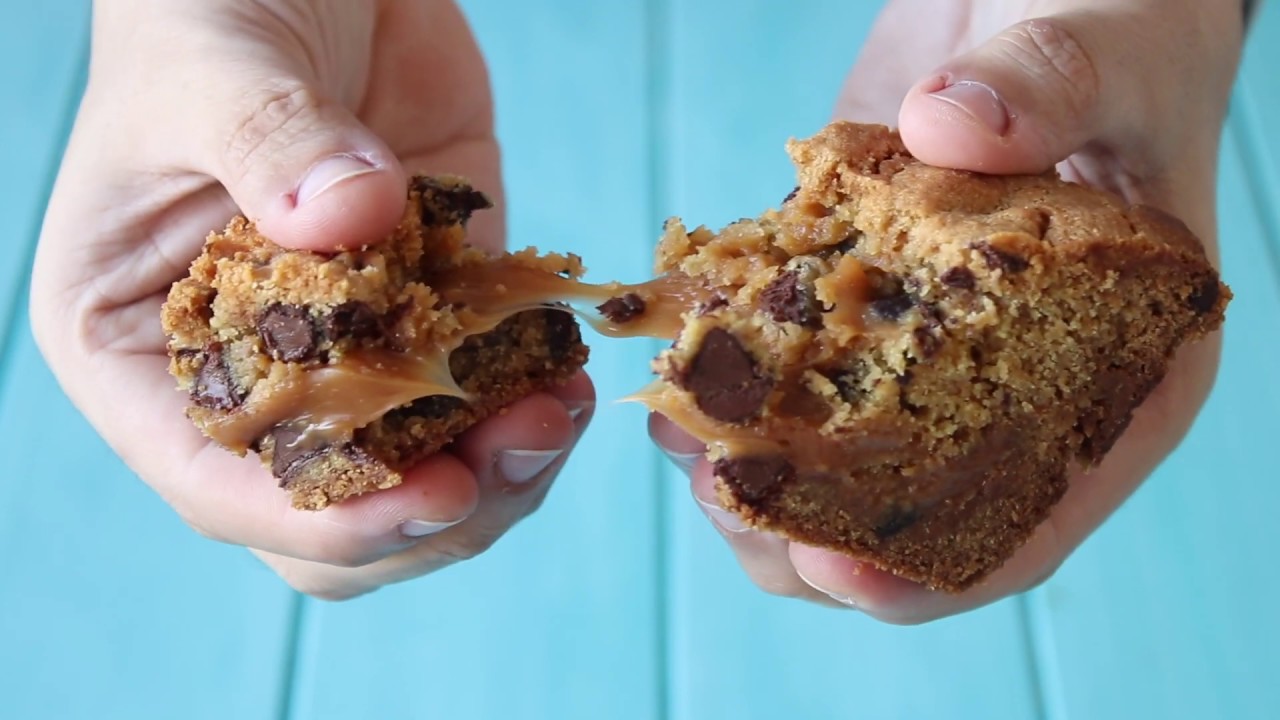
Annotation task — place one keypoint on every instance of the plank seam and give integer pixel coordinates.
(290, 677)
(1042, 655)
(1244, 126)
(657, 17)
(18, 306)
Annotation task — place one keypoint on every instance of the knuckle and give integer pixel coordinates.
(1050, 50)
(268, 120)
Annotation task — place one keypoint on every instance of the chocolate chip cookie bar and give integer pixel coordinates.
(903, 362)
(342, 370)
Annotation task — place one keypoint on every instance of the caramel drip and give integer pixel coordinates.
(803, 443)
(330, 403)
(485, 295)
(846, 291)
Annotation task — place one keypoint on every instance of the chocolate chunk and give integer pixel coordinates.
(892, 307)
(958, 277)
(622, 309)
(436, 407)
(215, 388)
(1205, 297)
(848, 383)
(445, 203)
(791, 195)
(998, 259)
(288, 332)
(290, 452)
(715, 302)
(895, 520)
(725, 379)
(352, 319)
(753, 479)
(785, 299)
(929, 340)
(562, 333)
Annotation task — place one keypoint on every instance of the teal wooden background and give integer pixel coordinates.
(617, 600)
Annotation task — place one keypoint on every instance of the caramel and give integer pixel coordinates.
(485, 295)
(328, 404)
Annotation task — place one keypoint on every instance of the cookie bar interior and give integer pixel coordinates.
(902, 362)
(342, 370)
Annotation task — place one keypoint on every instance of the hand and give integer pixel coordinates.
(305, 115)
(1125, 95)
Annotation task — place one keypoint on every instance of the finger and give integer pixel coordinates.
(762, 555)
(504, 500)
(683, 449)
(1032, 95)
(295, 159)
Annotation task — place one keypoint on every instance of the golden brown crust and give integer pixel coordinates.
(253, 322)
(937, 347)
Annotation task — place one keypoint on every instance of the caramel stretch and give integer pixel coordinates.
(327, 404)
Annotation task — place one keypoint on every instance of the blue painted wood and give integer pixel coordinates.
(42, 51)
(1257, 111)
(616, 600)
(737, 653)
(1167, 611)
(109, 607)
(561, 618)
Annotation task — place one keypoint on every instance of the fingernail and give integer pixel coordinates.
(978, 101)
(842, 599)
(422, 528)
(521, 466)
(330, 172)
(684, 461)
(725, 520)
(576, 409)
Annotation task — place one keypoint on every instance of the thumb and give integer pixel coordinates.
(298, 163)
(1020, 103)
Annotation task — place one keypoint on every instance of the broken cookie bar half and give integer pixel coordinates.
(343, 370)
(903, 362)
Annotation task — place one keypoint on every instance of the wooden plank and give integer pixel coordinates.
(1166, 612)
(1257, 110)
(42, 54)
(736, 653)
(109, 607)
(560, 619)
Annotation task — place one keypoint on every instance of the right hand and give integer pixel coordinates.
(304, 115)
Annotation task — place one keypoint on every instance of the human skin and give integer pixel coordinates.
(1126, 95)
(306, 115)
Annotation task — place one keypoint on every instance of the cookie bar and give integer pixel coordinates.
(902, 362)
(342, 370)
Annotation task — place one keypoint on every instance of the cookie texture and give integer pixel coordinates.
(342, 370)
(903, 362)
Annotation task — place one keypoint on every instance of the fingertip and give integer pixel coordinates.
(672, 438)
(578, 396)
(440, 489)
(859, 584)
(539, 423)
(967, 125)
(344, 202)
